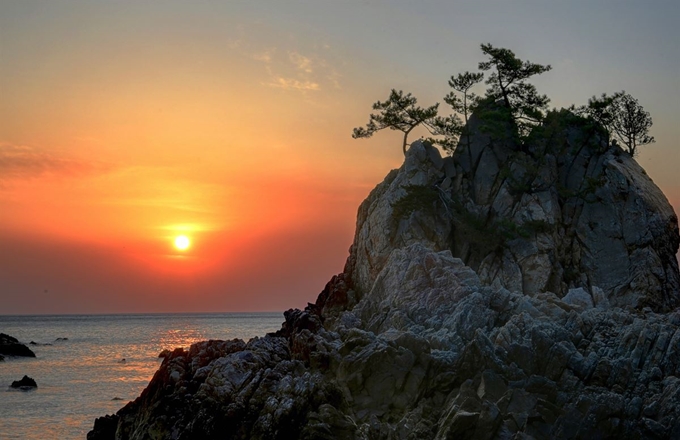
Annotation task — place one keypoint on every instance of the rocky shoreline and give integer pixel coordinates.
(566, 326)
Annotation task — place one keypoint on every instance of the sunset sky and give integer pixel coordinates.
(124, 124)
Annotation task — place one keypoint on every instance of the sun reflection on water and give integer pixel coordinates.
(180, 337)
(105, 363)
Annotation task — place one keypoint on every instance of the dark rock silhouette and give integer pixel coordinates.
(531, 297)
(165, 353)
(25, 383)
(10, 346)
(104, 428)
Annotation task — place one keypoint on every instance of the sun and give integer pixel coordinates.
(182, 242)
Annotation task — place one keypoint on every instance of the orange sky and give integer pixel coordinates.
(124, 126)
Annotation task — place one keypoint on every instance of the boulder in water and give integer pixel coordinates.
(25, 383)
(38, 343)
(11, 346)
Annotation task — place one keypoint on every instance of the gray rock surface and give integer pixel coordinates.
(435, 332)
(574, 212)
(378, 232)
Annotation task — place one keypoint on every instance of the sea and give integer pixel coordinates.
(91, 365)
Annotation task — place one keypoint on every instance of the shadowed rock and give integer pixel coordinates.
(165, 353)
(10, 346)
(568, 211)
(25, 383)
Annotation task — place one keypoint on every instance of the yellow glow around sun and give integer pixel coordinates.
(182, 242)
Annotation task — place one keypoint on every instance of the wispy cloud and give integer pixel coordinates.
(293, 70)
(291, 64)
(25, 162)
(301, 62)
(264, 56)
(294, 84)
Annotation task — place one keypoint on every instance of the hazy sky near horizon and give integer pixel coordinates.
(126, 123)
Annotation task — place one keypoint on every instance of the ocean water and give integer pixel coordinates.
(79, 378)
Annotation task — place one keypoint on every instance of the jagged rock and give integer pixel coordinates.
(581, 214)
(25, 383)
(434, 331)
(104, 428)
(379, 232)
(578, 297)
(164, 353)
(10, 346)
(467, 361)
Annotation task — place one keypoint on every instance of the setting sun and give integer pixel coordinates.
(182, 242)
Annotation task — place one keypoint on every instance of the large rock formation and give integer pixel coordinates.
(575, 212)
(518, 294)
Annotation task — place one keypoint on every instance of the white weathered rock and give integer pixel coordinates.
(378, 231)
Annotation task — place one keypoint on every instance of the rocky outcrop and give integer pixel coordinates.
(565, 210)
(468, 312)
(11, 346)
(164, 353)
(26, 383)
(379, 232)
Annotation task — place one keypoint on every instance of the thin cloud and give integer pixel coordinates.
(293, 84)
(301, 62)
(24, 162)
(293, 70)
(264, 56)
(290, 65)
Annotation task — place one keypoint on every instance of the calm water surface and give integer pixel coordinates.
(78, 378)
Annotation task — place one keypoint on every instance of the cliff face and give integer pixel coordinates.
(588, 216)
(567, 213)
(525, 293)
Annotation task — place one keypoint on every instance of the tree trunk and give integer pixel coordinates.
(403, 147)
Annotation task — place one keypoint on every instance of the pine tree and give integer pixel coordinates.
(400, 113)
(462, 84)
(508, 85)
